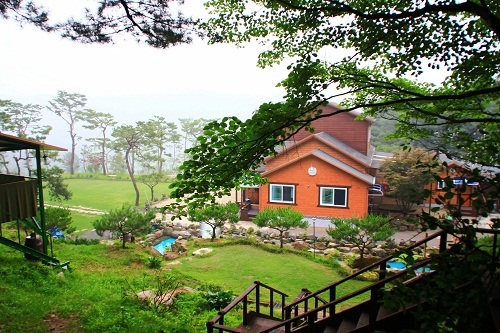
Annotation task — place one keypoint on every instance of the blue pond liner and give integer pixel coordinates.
(396, 265)
(401, 265)
(165, 244)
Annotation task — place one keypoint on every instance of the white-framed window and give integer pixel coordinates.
(282, 193)
(440, 185)
(333, 196)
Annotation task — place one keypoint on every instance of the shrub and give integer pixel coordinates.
(153, 262)
(77, 241)
(217, 298)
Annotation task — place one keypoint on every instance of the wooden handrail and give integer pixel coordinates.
(217, 321)
(375, 286)
(363, 270)
(311, 316)
(370, 288)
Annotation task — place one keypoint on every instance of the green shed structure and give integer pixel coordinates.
(21, 200)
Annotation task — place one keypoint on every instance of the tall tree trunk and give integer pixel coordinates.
(73, 149)
(130, 170)
(104, 155)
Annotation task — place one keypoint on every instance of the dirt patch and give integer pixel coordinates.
(63, 325)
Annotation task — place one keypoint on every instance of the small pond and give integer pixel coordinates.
(401, 265)
(396, 265)
(165, 244)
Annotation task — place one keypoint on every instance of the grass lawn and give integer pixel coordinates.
(107, 194)
(103, 195)
(236, 267)
(83, 222)
(98, 295)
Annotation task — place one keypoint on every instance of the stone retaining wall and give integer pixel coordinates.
(324, 245)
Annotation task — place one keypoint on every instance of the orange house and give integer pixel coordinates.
(465, 187)
(328, 173)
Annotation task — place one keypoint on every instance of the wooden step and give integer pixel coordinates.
(346, 326)
(384, 312)
(330, 329)
(258, 324)
(364, 319)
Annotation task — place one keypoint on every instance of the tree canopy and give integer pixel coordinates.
(148, 21)
(407, 173)
(216, 215)
(374, 54)
(125, 220)
(362, 232)
(281, 219)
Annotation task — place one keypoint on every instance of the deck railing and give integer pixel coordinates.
(255, 290)
(308, 320)
(331, 289)
(306, 311)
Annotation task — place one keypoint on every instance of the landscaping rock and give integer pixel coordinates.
(379, 252)
(202, 251)
(330, 251)
(300, 245)
(155, 252)
(169, 255)
(344, 249)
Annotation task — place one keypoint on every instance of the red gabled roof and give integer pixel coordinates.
(331, 160)
(332, 142)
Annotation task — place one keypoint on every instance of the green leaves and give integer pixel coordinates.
(127, 219)
(408, 172)
(369, 50)
(215, 215)
(230, 150)
(281, 219)
(361, 231)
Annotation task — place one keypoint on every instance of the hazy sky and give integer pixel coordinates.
(133, 81)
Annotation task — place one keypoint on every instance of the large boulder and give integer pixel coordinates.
(300, 245)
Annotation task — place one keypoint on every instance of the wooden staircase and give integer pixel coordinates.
(320, 311)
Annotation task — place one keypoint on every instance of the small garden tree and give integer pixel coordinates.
(362, 232)
(152, 180)
(123, 221)
(408, 172)
(54, 182)
(215, 215)
(59, 217)
(281, 219)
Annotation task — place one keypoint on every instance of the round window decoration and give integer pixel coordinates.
(312, 171)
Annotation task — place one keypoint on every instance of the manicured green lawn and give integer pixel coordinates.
(236, 267)
(83, 222)
(107, 194)
(103, 195)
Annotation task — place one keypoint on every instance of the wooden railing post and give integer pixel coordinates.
(271, 303)
(333, 296)
(283, 307)
(257, 298)
(221, 321)
(382, 271)
(443, 242)
(210, 327)
(245, 310)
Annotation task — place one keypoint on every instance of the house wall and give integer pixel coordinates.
(306, 147)
(466, 195)
(342, 126)
(307, 190)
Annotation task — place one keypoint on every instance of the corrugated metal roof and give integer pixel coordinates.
(10, 142)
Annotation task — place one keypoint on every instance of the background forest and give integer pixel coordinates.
(99, 144)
